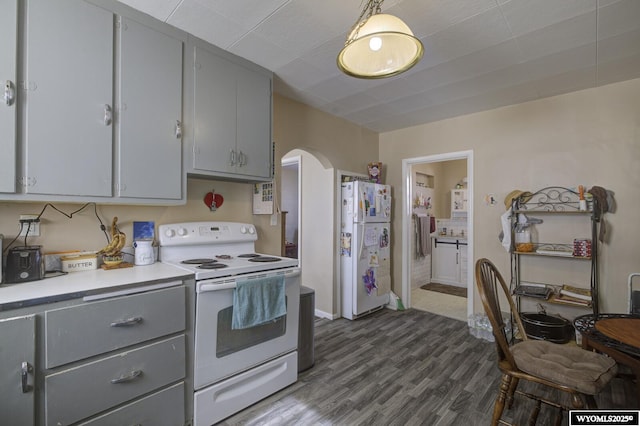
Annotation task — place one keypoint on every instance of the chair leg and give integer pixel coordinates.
(512, 390)
(577, 402)
(591, 402)
(559, 417)
(498, 408)
(533, 418)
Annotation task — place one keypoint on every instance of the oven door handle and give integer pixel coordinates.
(208, 286)
(204, 288)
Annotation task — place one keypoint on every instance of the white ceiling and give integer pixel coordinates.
(479, 54)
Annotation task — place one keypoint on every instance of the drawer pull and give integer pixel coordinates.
(26, 369)
(127, 322)
(127, 377)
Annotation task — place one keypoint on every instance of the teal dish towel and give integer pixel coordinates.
(257, 301)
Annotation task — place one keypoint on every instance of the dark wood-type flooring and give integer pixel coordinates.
(402, 368)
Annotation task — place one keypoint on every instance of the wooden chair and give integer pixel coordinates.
(578, 372)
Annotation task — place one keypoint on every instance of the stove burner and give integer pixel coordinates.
(197, 261)
(249, 255)
(223, 256)
(264, 259)
(212, 265)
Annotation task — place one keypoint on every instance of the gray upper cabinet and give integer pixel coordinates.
(8, 47)
(17, 361)
(149, 124)
(254, 104)
(68, 87)
(231, 120)
(214, 132)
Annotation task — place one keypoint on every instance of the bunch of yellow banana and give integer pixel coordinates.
(118, 240)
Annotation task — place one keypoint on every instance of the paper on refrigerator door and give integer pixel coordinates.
(384, 238)
(373, 258)
(345, 244)
(371, 236)
(349, 203)
(369, 280)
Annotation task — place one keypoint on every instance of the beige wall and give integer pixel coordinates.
(590, 137)
(82, 232)
(344, 145)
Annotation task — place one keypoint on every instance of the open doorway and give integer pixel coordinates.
(290, 205)
(425, 177)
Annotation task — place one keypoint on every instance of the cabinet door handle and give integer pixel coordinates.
(9, 94)
(178, 129)
(107, 115)
(232, 158)
(26, 369)
(457, 258)
(127, 377)
(243, 159)
(127, 322)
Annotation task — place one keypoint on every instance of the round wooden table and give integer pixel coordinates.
(617, 335)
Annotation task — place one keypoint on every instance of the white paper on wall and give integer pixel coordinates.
(263, 198)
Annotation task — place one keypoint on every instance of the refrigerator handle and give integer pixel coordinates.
(361, 242)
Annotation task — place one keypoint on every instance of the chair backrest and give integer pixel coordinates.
(490, 284)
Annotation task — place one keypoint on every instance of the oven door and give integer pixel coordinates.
(221, 352)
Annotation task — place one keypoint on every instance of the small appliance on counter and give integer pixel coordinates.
(24, 264)
(144, 252)
(143, 235)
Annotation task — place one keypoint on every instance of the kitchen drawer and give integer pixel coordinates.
(77, 393)
(82, 331)
(164, 408)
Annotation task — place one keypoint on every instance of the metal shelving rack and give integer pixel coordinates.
(555, 201)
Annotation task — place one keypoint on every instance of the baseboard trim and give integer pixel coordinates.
(321, 314)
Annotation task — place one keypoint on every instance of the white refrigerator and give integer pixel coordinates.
(365, 248)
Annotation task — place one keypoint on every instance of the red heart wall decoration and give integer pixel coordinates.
(213, 201)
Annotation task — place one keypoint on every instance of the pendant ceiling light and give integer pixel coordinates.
(379, 45)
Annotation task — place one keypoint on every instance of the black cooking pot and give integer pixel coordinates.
(547, 327)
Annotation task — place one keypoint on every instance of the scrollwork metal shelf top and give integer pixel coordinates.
(552, 199)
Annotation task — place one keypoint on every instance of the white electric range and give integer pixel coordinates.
(233, 368)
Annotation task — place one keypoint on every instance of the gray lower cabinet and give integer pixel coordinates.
(231, 129)
(149, 120)
(68, 91)
(118, 360)
(79, 392)
(17, 363)
(163, 408)
(102, 356)
(79, 332)
(8, 94)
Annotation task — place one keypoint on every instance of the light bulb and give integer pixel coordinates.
(375, 43)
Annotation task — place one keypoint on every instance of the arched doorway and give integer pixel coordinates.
(316, 227)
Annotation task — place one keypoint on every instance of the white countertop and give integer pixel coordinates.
(85, 283)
